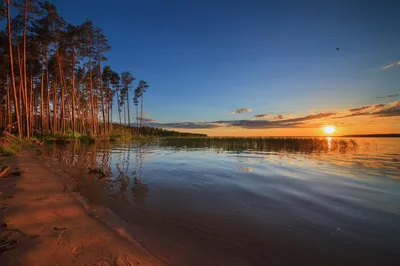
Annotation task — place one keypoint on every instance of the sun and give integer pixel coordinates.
(329, 129)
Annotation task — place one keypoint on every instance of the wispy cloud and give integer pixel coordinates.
(389, 96)
(239, 111)
(262, 116)
(281, 117)
(146, 120)
(396, 64)
(307, 121)
(389, 109)
(360, 108)
(387, 66)
(190, 125)
(273, 117)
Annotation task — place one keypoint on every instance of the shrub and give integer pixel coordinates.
(10, 145)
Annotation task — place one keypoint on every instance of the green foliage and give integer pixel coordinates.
(10, 146)
(87, 139)
(154, 131)
(145, 138)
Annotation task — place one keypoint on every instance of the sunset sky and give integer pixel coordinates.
(257, 67)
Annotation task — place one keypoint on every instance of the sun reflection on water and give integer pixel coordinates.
(329, 143)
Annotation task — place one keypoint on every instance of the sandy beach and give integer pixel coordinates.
(44, 223)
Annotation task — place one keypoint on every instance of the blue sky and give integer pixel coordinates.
(204, 59)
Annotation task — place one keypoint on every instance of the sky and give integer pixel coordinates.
(256, 67)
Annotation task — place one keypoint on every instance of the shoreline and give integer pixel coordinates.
(45, 223)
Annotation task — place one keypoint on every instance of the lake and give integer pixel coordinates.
(228, 203)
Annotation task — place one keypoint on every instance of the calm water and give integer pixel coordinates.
(191, 204)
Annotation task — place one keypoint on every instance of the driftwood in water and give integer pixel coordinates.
(97, 172)
(4, 171)
(16, 172)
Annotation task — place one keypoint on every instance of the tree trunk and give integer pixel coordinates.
(21, 94)
(9, 102)
(42, 97)
(127, 102)
(101, 90)
(124, 116)
(137, 118)
(49, 123)
(91, 95)
(141, 112)
(12, 69)
(109, 105)
(119, 108)
(62, 103)
(73, 94)
(55, 105)
(24, 70)
(30, 104)
(9, 111)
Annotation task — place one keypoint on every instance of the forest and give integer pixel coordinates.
(54, 79)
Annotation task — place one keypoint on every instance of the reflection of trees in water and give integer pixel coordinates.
(139, 189)
(122, 167)
(103, 156)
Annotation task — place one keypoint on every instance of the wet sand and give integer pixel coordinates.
(44, 223)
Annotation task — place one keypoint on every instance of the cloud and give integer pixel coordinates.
(239, 111)
(314, 116)
(262, 116)
(360, 108)
(387, 66)
(307, 121)
(256, 124)
(389, 96)
(146, 120)
(280, 117)
(250, 124)
(190, 125)
(390, 65)
(283, 123)
(275, 117)
(389, 109)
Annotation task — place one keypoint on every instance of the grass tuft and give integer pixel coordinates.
(10, 145)
(297, 144)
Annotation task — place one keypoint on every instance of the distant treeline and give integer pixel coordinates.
(155, 131)
(373, 136)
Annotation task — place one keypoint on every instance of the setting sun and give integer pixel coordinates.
(329, 129)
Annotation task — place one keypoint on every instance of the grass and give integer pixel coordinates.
(120, 136)
(49, 138)
(10, 145)
(87, 139)
(116, 136)
(127, 136)
(265, 143)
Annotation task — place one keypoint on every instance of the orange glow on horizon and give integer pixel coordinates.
(347, 126)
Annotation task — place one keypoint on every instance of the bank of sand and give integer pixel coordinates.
(44, 223)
